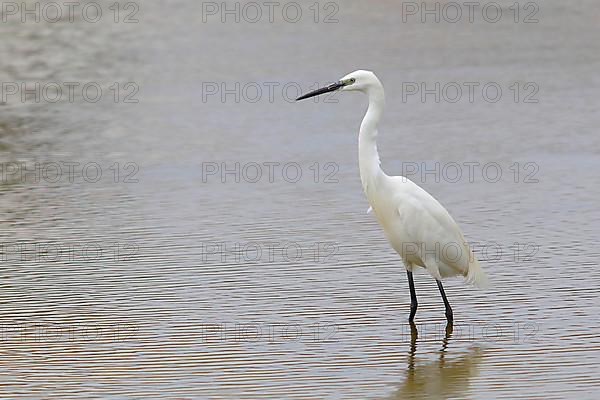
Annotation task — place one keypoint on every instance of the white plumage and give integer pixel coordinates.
(417, 226)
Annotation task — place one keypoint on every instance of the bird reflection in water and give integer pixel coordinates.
(440, 379)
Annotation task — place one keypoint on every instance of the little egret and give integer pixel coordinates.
(417, 226)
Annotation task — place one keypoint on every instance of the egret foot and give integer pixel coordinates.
(449, 316)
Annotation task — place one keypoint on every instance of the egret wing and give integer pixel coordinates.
(429, 226)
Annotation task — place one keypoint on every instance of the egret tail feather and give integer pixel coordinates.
(476, 275)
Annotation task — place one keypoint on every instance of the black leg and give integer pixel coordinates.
(449, 315)
(413, 296)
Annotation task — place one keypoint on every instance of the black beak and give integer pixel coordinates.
(330, 88)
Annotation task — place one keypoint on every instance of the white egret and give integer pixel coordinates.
(417, 226)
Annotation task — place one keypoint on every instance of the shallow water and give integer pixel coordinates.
(163, 278)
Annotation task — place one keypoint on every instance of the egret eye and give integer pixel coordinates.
(352, 80)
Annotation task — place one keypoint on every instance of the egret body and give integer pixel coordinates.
(417, 226)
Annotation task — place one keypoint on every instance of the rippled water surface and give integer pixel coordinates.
(158, 279)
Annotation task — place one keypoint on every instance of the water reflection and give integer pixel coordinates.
(443, 378)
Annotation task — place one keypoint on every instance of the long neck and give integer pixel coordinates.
(368, 157)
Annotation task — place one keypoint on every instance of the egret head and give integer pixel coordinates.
(360, 80)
